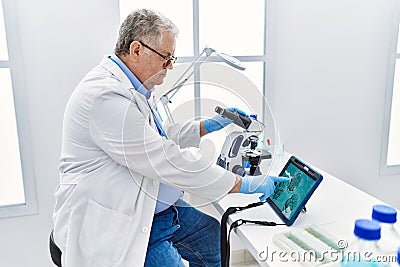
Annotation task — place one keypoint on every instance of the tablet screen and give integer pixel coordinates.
(289, 198)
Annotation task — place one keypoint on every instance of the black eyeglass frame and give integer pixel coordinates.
(169, 59)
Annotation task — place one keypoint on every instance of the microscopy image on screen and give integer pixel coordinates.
(288, 196)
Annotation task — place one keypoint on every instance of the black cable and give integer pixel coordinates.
(225, 237)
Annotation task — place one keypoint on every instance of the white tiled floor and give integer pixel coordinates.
(247, 264)
(242, 258)
(239, 258)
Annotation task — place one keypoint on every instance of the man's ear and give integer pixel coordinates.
(135, 49)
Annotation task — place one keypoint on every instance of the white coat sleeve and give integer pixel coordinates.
(185, 134)
(122, 130)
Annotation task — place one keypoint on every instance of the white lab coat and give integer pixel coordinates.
(111, 163)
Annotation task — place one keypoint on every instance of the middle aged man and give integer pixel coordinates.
(122, 175)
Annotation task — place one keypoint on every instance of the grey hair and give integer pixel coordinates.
(143, 25)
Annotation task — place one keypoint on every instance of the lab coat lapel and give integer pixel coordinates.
(117, 72)
(126, 83)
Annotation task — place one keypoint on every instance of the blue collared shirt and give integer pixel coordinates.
(135, 81)
(167, 195)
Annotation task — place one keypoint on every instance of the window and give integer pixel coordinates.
(201, 24)
(390, 155)
(221, 25)
(17, 192)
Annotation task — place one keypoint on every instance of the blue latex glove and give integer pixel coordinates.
(260, 184)
(218, 122)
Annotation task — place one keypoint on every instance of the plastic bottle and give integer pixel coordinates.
(398, 257)
(364, 250)
(397, 262)
(390, 237)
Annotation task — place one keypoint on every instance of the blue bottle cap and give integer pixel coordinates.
(367, 229)
(398, 256)
(384, 214)
(253, 116)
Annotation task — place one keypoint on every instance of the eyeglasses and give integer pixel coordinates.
(169, 59)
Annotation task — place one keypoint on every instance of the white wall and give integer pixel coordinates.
(61, 41)
(328, 63)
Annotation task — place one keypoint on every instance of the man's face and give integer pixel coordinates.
(152, 70)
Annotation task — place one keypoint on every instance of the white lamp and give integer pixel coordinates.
(165, 99)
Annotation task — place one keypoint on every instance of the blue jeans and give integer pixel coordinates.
(182, 231)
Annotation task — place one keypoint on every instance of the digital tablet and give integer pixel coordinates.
(289, 199)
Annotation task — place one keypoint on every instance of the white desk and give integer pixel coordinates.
(333, 201)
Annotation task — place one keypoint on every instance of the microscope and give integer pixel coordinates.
(240, 151)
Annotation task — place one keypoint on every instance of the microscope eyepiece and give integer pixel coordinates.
(237, 118)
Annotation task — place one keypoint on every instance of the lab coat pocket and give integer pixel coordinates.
(103, 233)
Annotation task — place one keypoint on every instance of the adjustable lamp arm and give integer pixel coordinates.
(179, 83)
(165, 100)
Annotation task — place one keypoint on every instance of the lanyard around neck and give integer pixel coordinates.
(158, 124)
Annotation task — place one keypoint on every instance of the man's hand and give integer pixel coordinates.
(260, 184)
(218, 122)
